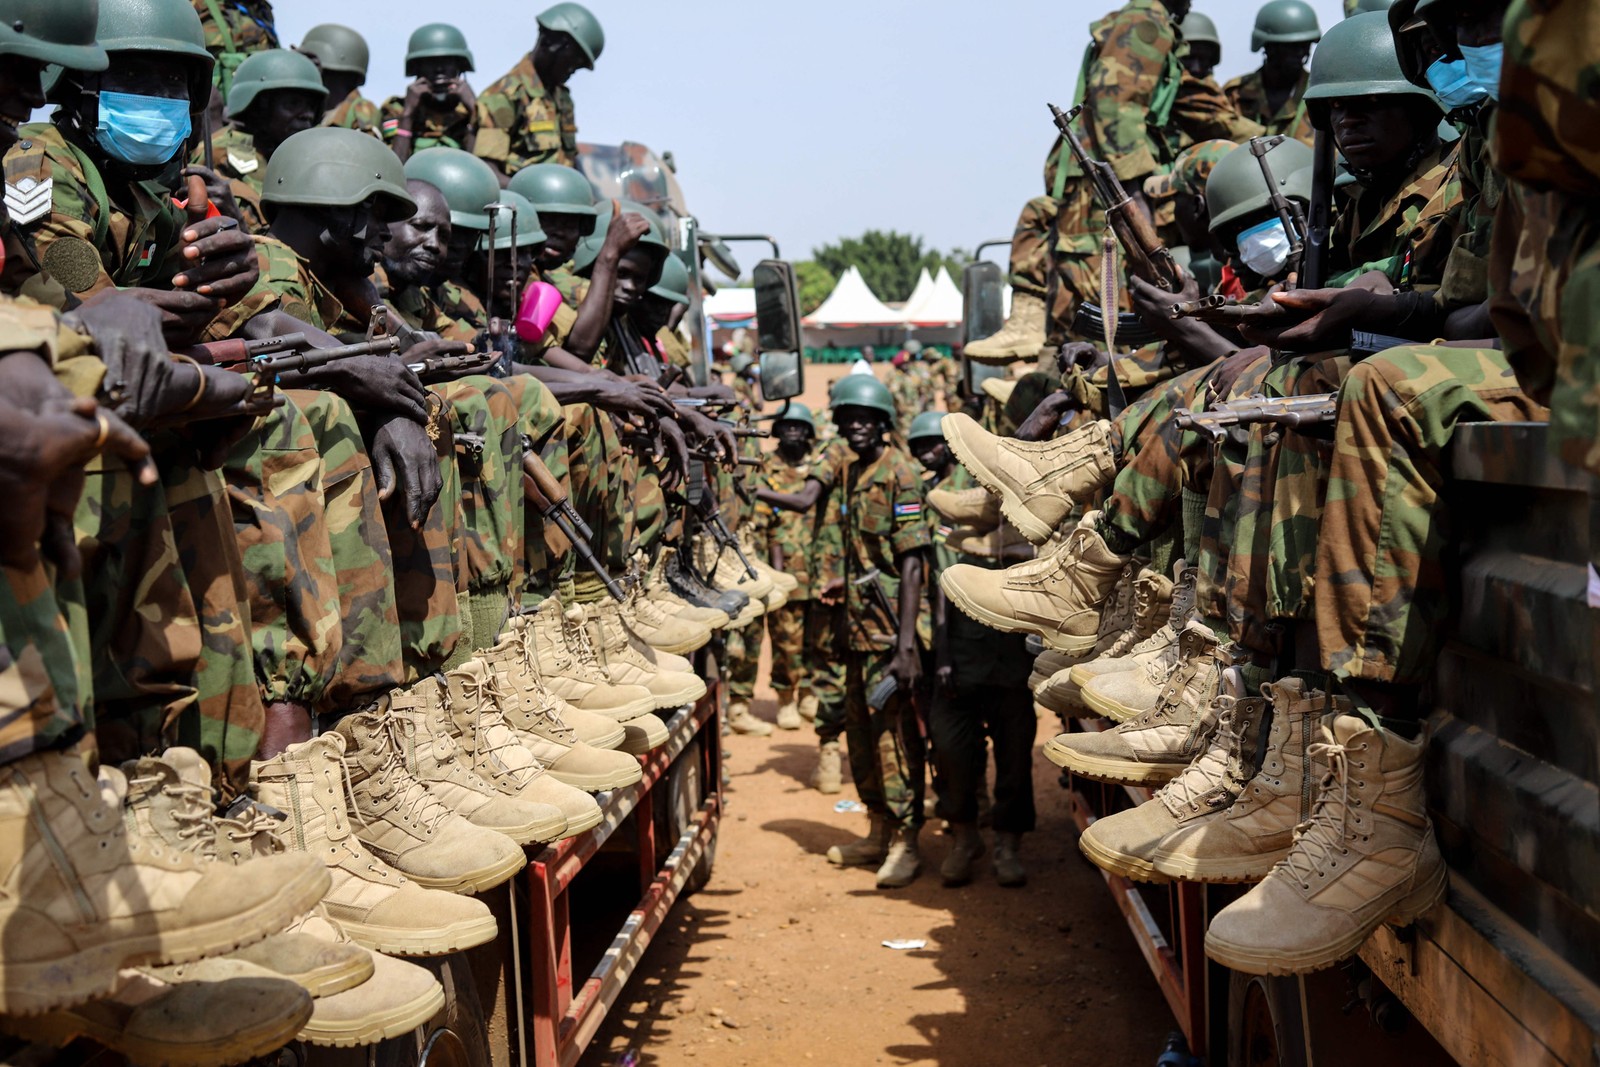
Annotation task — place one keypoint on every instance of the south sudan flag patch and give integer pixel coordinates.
(907, 511)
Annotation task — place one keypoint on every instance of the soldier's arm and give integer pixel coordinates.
(496, 115)
(1204, 113)
(1120, 86)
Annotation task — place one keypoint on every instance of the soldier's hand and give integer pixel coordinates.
(415, 92)
(41, 473)
(1313, 319)
(219, 261)
(677, 447)
(141, 379)
(907, 668)
(623, 233)
(1227, 373)
(719, 434)
(832, 592)
(631, 400)
(404, 461)
(1153, 304)
(219, 191)
(1042, 423)
(375, 383)
(438, 348)
(463, 92)
(1082, 356)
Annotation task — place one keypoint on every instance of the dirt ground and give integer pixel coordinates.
(780, 959)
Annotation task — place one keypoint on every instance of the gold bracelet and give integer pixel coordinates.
(198, 393)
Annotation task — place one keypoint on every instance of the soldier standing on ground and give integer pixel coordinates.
(786, 469)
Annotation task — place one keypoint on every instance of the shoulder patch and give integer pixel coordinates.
(29, 199)
(241, 164)
(908, 511)
(73, 262)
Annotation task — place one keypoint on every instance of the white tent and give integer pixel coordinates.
(919, 292)
(729, 307)
(852, 304)
(937, 304)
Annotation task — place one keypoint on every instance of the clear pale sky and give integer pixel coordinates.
(809, 121)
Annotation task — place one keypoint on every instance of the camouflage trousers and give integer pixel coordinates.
(1060, 242)
(824, 667)
(886, 747)
(786, 630)
(1157, 459)
(1381, 607)
(742, 661)
(600, 494)
(41, 702)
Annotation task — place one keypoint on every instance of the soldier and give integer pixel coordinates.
(468, 186)
(342, 55)
(786, 469)
(275, 95)
(233, 32)
(439, 108)
(882, 542)
(1285, 30)
(1205, 47)
(526, 117)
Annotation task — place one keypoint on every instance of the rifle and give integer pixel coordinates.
(1148, 258)
(1088, 320)
(1289, 214)
(636, 359)
(273, 356)
(543, 491)
(872, 584)
(711, 518)
(1295, 412)
(1216, 310)
(1319, 218)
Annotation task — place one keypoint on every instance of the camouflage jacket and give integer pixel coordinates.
(1466, 272)
(572, 288)
(878, 509)
(415, 304)
(790, 531)
(1248, 95)
(520, 122)
(1406, 234)
(234, 29)
(460, 306)
(432, 125)
(286, 284)
(355, 112)
(911, 387)
(234, 156)
(1547, 134)
(1202, 112)
(85, 240)
(1129, 84)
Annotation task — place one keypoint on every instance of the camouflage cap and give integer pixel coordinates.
(1189, 171)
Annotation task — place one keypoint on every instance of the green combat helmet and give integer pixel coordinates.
(336, 47)
(862, 391)
(797, 412)
(741, 363)
(277, 69)
(1285, 22)
(1361, 7)
(1235, 189)
(578, 22)
(467, 182)
(1358, 58)
(50, 31)
(437, 40)
(926, 425)
(555, 189)
(528, 230)
(166, 27)
(332, 167)
(588, 249)
(1198, 28)
(674, 283)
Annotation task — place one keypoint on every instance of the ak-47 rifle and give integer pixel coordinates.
(1295, 412)
(1288, 212)
(871, 584)
(711, 519)
(272, 356)
(1319, 219)
(1216, 310)
(544, 492)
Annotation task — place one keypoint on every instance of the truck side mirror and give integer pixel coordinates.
(720, 256)
(778, 330)
(982, 314)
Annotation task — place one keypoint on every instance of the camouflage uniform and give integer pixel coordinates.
(1248, 95)
(235, 29)
(432, 124)
(520, 122)
(1203, 112)
(911, 387)
(990, 701)
(234, 157)
(788, 532)
(880, 520)
(355, 112)
(825, 622)
(416, 304)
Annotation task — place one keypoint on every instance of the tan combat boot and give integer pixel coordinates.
(808, 705)
(966, 849)
(1020, 338)
(535, 714)
(789, 709)
(741, 720)
(405, 826)
(181, 1024)
(372, 902)
(571, 671)
(1129, 842)
(82, 897)
(727, 571)
(903, 862)
(431, 750)
(1048, 664)
(516, 665)
(1060, 596)
(1155, 747)
(868, 851)
(1241, 842)
(828, 777)
(495, 752)
(1039, 487)
(1366, 856)
(663, 629)
(626, 664)
(1003, 542)
(1142, 667)
(975, 507)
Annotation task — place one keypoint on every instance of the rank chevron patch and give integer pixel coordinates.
(29, 200)
(242, 164)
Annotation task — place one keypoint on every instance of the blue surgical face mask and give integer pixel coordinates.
(1265, 248)
(1483, 66)
(143, 130)
(1454, 86)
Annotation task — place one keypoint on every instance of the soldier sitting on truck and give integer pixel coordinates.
(439, 108)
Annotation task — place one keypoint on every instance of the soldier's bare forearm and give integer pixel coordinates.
(910, 564)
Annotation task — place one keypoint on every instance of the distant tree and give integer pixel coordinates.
(816, 282)
(889, 262)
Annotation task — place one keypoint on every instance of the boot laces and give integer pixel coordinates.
(528, 657)
(485, 695)
(197, 827)
(1321, 838)
(1046, 568)
(415, 803)
(582, 648)
(1209, 770)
